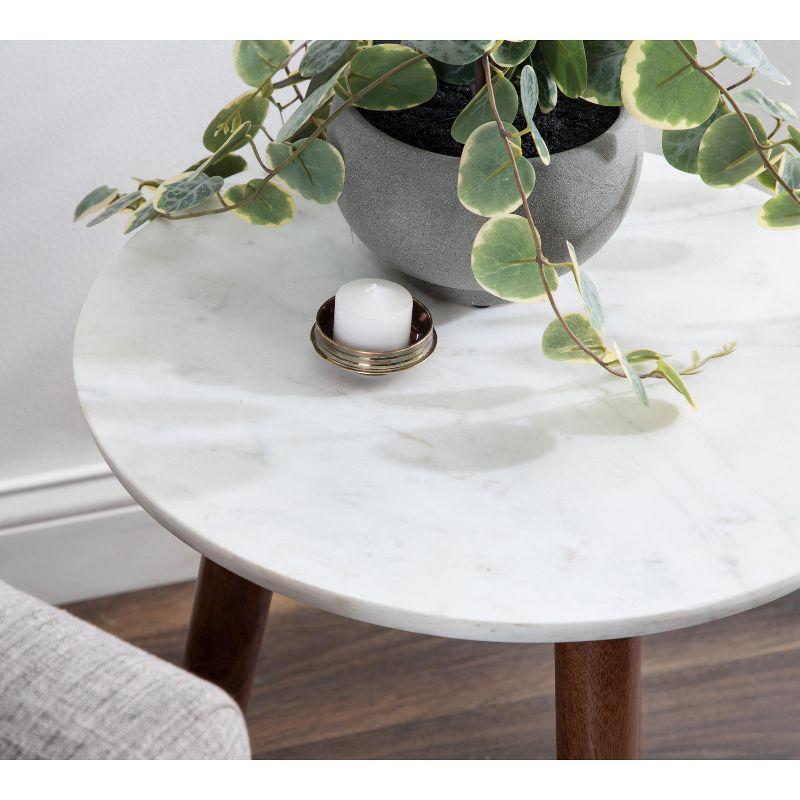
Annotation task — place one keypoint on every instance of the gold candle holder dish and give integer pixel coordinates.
(421, 343)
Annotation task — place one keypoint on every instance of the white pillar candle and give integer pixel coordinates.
(372, 314)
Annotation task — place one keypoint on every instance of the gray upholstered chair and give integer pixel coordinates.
(71, 691)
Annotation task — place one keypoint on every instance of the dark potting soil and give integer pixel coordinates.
(570, 124)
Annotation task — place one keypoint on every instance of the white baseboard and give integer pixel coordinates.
(75, 534)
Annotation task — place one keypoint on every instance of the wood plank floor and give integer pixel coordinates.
(328, 687)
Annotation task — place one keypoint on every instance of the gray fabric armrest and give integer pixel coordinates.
(71, 691)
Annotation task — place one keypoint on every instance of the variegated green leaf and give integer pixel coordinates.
(781, 211)
(323, 54)
(257, 60)
(727, 155)
(794, 135)
(185, 191)
(755, 98)
(529, 93)
(681, 147)
(266, 205)
(486, 183)
(529, 89)
(312, 103)
(675, 380)
(660, 87)
(143, 214)
(317, 173)
(588, 291)
(509, 53)
(744, 52)
(115, 207)
(479, 111)
(767, 179)
(633, 376)
(504, 261)
(557, 344)
(233, 142)
(639, 356)
(604, 59)
(548, 91)
(224, 167)
(457, 74)
(772, 73)
(248, 107)
(317, 80)
(790, 172)
(96, 199)
(457, 51)
(409, 87)
(566, 60)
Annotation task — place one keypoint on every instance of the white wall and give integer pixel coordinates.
(76, 115)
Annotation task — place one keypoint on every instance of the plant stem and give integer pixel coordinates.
(716, 63)
(297, 93)
(256, 154)
(291, 79)
(742, 81)
(537, 241)
(706, 73)
(297, 49)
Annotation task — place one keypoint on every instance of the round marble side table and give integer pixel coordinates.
(488, 493)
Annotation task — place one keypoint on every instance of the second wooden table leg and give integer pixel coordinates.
(226, 630)
(598, 699)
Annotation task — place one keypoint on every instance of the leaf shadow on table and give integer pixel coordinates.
(460, 399)
(444, 312)
(681, 195)
(484, 446)
(177, 449)
(638, 253)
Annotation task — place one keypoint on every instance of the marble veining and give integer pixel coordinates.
(488, 493)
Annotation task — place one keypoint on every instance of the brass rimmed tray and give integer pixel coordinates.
(422, 342)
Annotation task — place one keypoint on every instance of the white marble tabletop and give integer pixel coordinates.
(488, 493)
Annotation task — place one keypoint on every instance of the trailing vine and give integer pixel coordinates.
(705, 131)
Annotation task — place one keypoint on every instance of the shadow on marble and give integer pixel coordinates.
(643, 254)
(532, 319)
(202, 446)
(469, 447)
(678, 195)
(463, 400)
(443, 312)
(474, 447)
(612, 415)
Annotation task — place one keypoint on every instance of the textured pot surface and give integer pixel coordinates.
(401, 201)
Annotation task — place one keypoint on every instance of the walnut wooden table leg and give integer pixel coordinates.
(226, 630)
(598, 699)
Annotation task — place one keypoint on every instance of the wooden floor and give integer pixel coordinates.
(328, 687)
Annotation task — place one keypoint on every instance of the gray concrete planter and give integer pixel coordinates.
(401, 202)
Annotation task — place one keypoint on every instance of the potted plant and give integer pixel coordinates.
(476, 206)
(403, 166)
